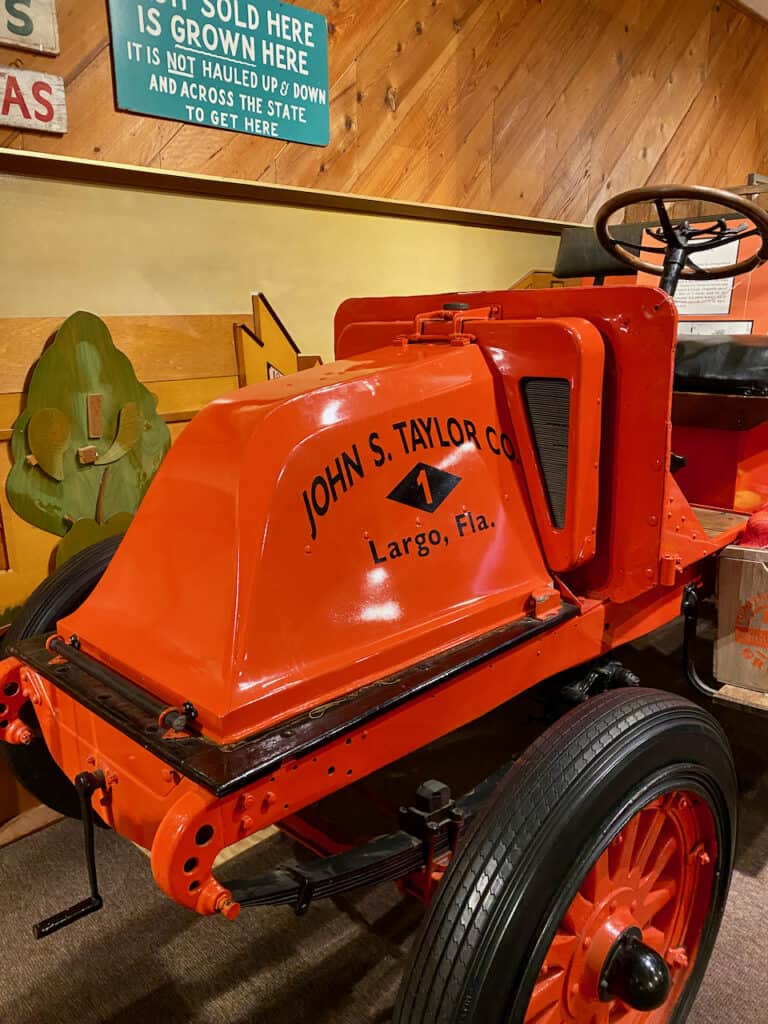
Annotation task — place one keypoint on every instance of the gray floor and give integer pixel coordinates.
(144, 959)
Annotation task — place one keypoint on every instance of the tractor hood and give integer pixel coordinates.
(309, 535)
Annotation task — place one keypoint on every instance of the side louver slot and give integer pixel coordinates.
(548, 404)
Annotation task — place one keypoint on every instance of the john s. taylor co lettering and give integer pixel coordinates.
(415, 436)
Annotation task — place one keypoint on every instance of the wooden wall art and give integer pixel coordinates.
(29, 25)
(90, 418)
(32, 99)
(88, 442)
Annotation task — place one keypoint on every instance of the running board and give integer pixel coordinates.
(748, 700)
(225, 769)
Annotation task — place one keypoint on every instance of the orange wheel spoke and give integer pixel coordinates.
(655, 902)
(659, 864)
(551, 1016)
(561, 951)
(655, 938)
(598, 878)
(578, 914)
(547, 994)
(646, 848)
(628, 839)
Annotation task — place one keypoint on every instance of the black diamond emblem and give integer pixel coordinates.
(424, 488)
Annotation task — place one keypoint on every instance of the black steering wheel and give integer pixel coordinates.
(680, 242)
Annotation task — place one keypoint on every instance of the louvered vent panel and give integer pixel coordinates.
(548, 402)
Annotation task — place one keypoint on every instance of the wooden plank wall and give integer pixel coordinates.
(538, 107)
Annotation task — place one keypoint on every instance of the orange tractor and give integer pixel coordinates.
(483, 495)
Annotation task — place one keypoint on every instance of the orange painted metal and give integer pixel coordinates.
(291, 481)
(315, 534)
(567, 349)
(12, 699)
(639, 328)
(655, 876)
(727, 467)
(166, 814)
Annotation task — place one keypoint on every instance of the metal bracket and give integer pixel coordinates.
(306, 891)
(607, 675)
(86, 784)
(690, 610)
(430, 818)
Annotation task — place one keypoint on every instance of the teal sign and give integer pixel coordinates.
(254, 66)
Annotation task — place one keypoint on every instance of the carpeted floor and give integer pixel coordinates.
(143, 959)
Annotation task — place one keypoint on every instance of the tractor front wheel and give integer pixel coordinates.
(591, 889)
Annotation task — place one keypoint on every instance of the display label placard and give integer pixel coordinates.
(254, 66)
(29, 99)
(29, 25)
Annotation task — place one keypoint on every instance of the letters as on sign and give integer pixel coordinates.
(29, 99)
(29, 25)
(254, 66)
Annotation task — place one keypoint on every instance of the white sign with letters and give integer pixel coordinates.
(29, 25)
(712, 297)
(30, 99)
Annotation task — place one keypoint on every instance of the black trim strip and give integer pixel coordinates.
(225, 769)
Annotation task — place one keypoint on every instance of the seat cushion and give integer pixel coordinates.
(731, 364)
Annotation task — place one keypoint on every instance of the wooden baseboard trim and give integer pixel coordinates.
(26, 823)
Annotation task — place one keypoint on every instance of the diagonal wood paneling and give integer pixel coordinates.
(538, 107)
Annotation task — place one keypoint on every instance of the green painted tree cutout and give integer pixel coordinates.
(88, 442)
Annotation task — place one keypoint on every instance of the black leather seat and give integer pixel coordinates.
(726, 364)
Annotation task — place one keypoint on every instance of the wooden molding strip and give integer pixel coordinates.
(94, 172)
(24, 824)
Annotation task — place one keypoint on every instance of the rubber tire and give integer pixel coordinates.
(58, 595)
(484, 938)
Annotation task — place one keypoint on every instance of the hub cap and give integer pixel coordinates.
(635, 974)
(628, 942)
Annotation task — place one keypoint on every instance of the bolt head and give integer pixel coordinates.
(678, 958)
(228, 908)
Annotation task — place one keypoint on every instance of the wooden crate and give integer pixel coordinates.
(741, 650)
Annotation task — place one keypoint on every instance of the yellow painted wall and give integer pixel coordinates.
(110, 250)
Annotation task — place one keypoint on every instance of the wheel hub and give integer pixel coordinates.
(634, 973)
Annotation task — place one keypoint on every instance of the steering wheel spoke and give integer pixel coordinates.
(667, 226)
